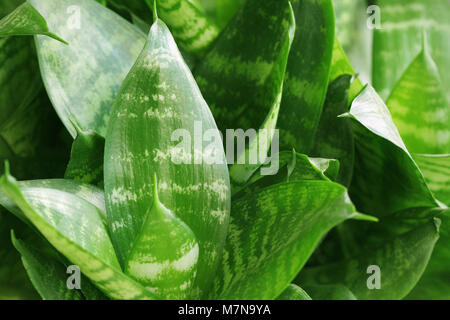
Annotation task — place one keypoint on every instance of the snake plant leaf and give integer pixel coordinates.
(160, 99)
(340, 65)
(289, 166)
(14, 281)
(436, 170)
(386, 179)
(48, 275)
(86, 159)
(82, 79)
(330, 292)
(25, 21)
(419, 107)
(164, 256)
(398, 41)
(272, 233)
(334, 137)
(401, 263)
(306, 81)
(75, 228)
(225, 10)
(189, 24)
(242, 74)
(294, 292)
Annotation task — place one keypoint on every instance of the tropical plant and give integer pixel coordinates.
(363, 179)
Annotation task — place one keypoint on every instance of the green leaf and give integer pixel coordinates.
(25, 21)
(436, 170)
(386, 179)
(419, 107)
(340, 65)
(82, 79)
(75, 228)
(14, 282)
(86, 159)
(398, 40)
(330, 292)
(272, 233)
(48, 275)
(189, 24)
(401, 263)
(306, 81)
(160, 99)
(334, 137)
(294, 292)
(225, 10)
(165, 253)
(242, 74)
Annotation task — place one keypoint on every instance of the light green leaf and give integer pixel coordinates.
(242, 74)
(330, 292)
(86, 159)
(386, 179)
(306, 81)
(294, 292)
(25, 21)
(82, 79)
(225, 10)
(334, 137)
(47, 274)
(75, 228)
(419, 107)
(273, 232)
(401, 263)
(189, 24)
(436, 169)
(398, 40)
(158, 97)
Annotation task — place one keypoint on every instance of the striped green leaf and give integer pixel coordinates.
(306, 81)
(330, 292)
(436, 169)
(82, 79)
(419, 107)
(225, 10)
(272, 233)
(241, 75)
(86, 158)
(334, 137)
(189, 24)
(157, 114)
(401, 262)
(75, 228)
(294, 292)
(25, 21)
(386, 179)
(398, 40)
(47, 274)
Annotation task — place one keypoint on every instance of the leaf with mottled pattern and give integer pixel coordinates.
(157, 125)
(75, 228)
(273, 232)
(386, 179)
(82, 79)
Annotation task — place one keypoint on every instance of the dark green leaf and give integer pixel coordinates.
(330, 292)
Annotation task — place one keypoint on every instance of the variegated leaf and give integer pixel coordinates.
(158, 124)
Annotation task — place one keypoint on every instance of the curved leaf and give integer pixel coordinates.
(401, 263)
(330, 292)
(82, 79)
(419, 107)
(306, 81)
(160, 99)
(272, 233)
(294, 292)
(386, 179)
(75, 228)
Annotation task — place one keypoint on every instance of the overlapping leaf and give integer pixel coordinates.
(294, 292)
(273, 232)
(330, 292)
(158, 113)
